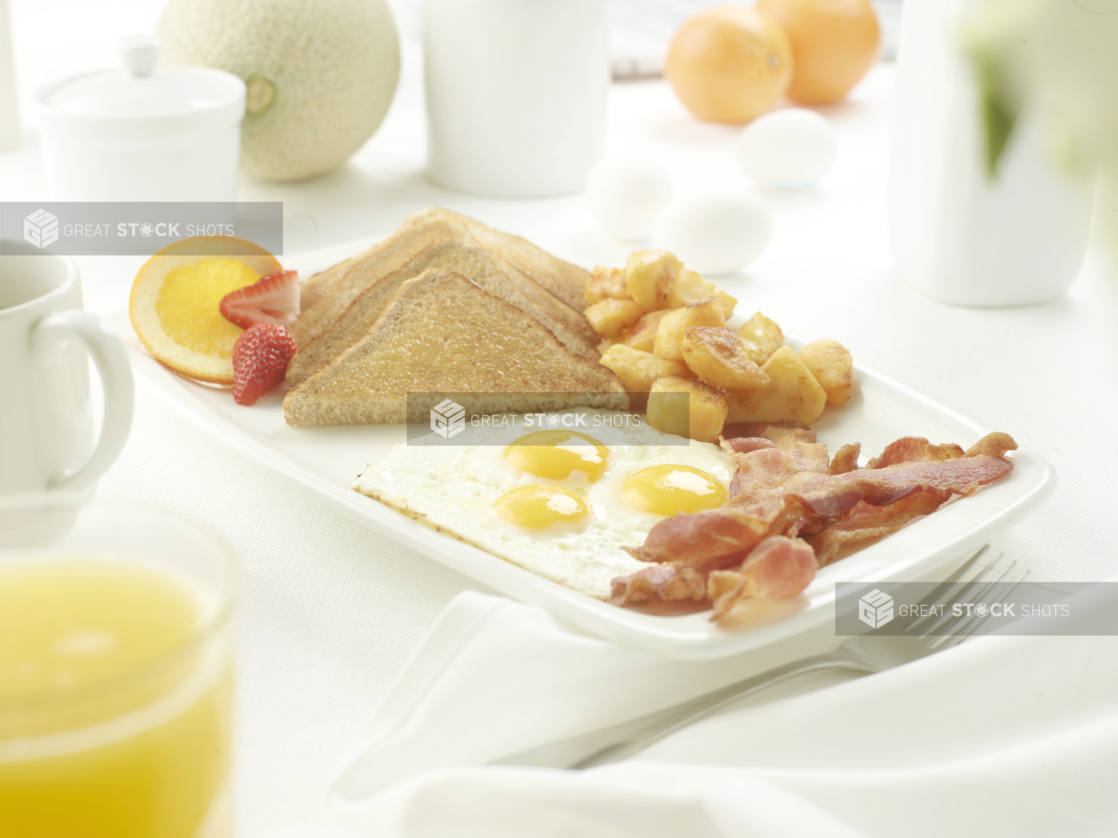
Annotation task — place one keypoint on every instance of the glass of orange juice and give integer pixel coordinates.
(116, 672)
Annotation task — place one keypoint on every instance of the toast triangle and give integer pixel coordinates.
(558, 286)
(443, 336)
(450, 254)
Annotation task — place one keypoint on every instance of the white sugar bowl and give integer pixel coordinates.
(142, 132)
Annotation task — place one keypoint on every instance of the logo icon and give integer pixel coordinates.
(40, 228)
(875, 609)
(448, 419)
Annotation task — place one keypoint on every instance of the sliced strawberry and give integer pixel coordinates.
(260, 359)
(271, 299)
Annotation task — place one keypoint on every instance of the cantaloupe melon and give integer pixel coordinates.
(320, 74)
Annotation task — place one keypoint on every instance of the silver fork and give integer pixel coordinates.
(867, 654)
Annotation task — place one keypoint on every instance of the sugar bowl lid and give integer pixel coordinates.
(141, 89)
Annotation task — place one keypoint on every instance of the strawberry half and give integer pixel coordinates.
(260, 359)
(271, 299)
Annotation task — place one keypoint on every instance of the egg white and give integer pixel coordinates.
(453, 487)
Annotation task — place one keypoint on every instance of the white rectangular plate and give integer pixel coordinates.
(324, 461)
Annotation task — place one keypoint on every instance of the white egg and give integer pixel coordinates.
(626, 195)
(454, 487)
(717, 232)
(788, 149)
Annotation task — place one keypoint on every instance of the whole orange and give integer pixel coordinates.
(834, 44)
(729, 64)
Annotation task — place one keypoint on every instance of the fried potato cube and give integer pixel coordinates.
(606, 284)
(726, 301)
(674, 325)
(833, 367)
(687, 407)
(608, 317)
(762, 336)
(792, 393)
(688, 288)
(718, 356)
(638, 370)
(648, 275)
(642, 334)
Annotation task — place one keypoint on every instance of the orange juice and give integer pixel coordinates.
(115, 714)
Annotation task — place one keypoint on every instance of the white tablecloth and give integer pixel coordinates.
(330, 611)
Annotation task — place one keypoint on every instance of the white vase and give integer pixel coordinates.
(958, 235)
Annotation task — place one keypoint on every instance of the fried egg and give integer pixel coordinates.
(559, 501)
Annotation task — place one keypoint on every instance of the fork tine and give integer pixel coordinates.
(956, 638)
(956, 590)
(947, 583)
(977, 596)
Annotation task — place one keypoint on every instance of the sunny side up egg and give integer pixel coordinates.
(561, 503)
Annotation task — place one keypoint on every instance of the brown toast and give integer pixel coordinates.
(444, 336)
(450, 254)
(332, 290)
(564, 280)
(311, 289)
(561, 286)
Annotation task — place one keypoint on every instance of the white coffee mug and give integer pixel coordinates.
(516, 94)
(46, 418)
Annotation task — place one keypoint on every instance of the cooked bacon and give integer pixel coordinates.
(782, 434)
(865, 523)
(834, 494)
(688, 539)
(659, 583)
(794, 439)
(846, 458)
(758, 472)
(746, 445)
(992, 445)
(762, 467)
(790, 489)
(914, 449)
(668, 583)
(777, 568)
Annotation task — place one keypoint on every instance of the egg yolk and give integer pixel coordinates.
(554, 455)
(668, 489)
(541, 507)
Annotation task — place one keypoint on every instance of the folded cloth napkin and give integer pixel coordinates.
(1002, 735)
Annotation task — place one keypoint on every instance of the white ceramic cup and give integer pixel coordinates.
(46, 419)
(516, 94)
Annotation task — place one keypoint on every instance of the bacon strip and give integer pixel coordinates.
(767, 455)
(688, 539)
(784, 490)
(746, 445)
(865, 523)
(659, 583)
(668, 583)
(777, 568)
(834, 494)
(915, 449)
(992, 445)
(782, 434)
(846, 458)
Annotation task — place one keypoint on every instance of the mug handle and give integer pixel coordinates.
(49, 339)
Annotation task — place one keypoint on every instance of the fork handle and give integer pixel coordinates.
(667, 722)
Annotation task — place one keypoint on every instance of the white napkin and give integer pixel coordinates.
(1003, 735)
(496, 677)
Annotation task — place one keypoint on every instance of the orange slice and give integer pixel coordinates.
(175, 298)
